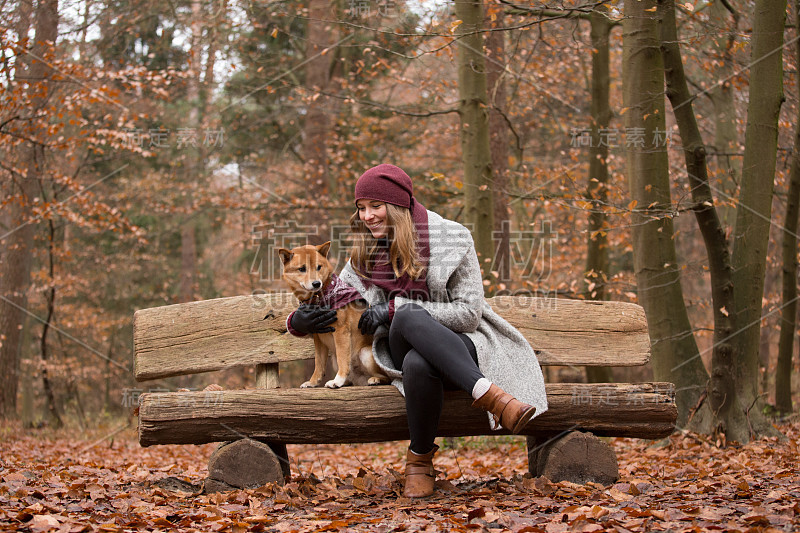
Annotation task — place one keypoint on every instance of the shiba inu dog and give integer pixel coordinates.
(310, 276)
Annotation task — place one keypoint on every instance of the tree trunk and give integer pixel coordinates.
(317, 122)
(498, 142)
(726, 137)
(188, 261)
(783, 372)
(675, 353)
(16, 262)
(722, 384)
(596, 191)
(475, 150)
(50, 297)
(192, 157)
(739, 419)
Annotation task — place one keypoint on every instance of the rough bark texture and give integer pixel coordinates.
(576, 457)
(739, 419)
(788, 322)
(246, 330)
(675, 353)
(378, 413)
(15, 261)
(473, 109)
(722, 384)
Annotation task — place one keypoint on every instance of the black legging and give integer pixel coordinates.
(433, 358)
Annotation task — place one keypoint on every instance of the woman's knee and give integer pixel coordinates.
(416, 368)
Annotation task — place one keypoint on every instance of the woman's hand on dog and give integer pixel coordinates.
(313, 319)
(374, 317)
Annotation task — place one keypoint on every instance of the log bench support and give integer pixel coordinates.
(247, 463)
(574, 456)
(255, 425)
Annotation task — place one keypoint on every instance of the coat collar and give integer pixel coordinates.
(449, 243)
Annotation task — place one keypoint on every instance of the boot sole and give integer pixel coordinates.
(523, 421)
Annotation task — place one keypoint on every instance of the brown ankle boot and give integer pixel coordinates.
(511, 413)
(419, 474)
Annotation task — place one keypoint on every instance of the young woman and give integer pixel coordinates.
(433, 329)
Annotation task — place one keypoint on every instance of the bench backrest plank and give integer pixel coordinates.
(216, 334)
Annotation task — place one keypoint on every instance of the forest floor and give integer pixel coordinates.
(50, 481)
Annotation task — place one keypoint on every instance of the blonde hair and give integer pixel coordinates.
(403, 254)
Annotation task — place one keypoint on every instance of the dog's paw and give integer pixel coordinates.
(308, 385)
(336, 382)
(376, 381)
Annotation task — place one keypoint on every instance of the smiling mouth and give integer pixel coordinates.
(375, 226)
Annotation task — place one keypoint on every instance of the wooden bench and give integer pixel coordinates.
(218, 334)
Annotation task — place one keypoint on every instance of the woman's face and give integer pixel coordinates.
(373, 214)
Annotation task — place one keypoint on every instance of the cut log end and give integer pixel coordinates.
(577, 457)
(243, 464)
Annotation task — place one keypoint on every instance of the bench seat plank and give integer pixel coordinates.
(376, 414)
(211, 335)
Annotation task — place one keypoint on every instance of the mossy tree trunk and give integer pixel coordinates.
(738, 415)
(788, 323)
(473, 109)
(675, 354)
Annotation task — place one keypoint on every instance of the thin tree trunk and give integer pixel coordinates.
(498, 143)
(192, 156)
(741, 421)
(475, 149)
(109, 358)
(317, 122)
(596, 191)
(15, 263)
(675, 353)
(788, 322)
(722, 384)
(50, 297)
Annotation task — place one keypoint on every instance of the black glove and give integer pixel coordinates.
(313, 319)
(374, 317)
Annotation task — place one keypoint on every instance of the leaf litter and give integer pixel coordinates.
(56, 483)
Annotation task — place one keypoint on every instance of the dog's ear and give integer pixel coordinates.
(323, 249)
(286, 255)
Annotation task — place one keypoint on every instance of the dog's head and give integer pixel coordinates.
(306, 269)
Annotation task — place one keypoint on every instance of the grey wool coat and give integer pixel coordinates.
(457, 301)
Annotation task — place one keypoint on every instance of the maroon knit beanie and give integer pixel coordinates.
(386, 183)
